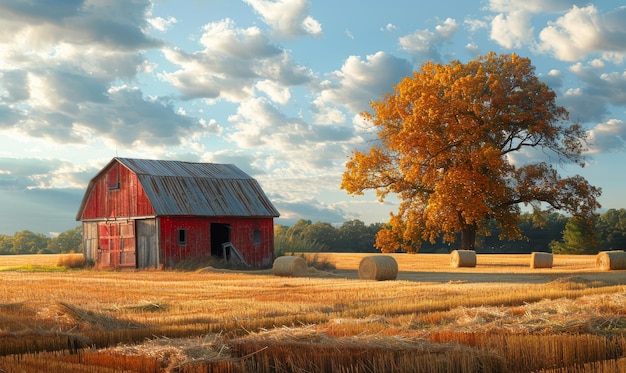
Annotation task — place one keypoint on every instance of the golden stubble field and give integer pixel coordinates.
(501, 316)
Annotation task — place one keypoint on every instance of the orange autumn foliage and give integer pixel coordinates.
(446, 140)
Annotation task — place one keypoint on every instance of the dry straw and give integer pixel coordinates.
(378, 267)
(463, 258)
(541, 260)
(290, 266)
(611, 260)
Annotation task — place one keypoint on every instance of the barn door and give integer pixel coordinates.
(128, 256)
(117, 244)
(147, 255)
(105, 251)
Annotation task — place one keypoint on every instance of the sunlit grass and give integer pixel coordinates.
(80, 308)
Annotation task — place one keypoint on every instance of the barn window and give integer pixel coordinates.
(256, 234)
(113, 177)
(182, 237)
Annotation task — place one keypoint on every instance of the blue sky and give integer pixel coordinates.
(274, 87)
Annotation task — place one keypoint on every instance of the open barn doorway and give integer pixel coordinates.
(220, 234)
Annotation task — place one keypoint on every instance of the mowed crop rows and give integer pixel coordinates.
(501, 316)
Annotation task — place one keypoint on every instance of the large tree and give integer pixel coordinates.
(447, 137)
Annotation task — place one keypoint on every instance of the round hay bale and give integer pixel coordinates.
(541, 260)
(463, 258)
(378, 267)
(611, 260)
(289, 266)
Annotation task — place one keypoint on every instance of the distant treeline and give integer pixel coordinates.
(552, 233)
(27, 242)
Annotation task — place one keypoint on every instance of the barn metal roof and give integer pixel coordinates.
(200, 189)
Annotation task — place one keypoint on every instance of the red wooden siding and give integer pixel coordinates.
(129, 200)
(198, 234)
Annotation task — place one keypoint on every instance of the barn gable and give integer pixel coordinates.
(140, 213)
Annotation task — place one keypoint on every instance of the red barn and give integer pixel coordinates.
(139, 213)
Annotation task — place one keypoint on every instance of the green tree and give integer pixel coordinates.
(611, 229)
(579, 237)
(68, 241)
(447, 135)
(27, 242)
(293, 239)
(322, 233)
(6, 244)
(354, 236)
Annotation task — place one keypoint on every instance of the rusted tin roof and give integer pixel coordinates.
(200, 189)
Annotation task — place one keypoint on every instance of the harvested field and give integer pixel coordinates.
(500, 316)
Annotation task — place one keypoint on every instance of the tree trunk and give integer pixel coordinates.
(468, 237)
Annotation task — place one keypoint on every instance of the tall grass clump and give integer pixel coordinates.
(293, 243)
(72, 260)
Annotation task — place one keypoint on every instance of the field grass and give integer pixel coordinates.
(501, 316)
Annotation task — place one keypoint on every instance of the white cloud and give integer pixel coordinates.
(609, 136)
(360, 81)
(472, 49)
(532, 6)
(274, 91)
(589, 102)
(583, 31)
(288, 17)
(162, 24)
(258, 124)
(232, 63)
(325, 113)
(513, 29)
(474, 25)
(389, 27)
(572, 36)
(425, 44)
(63, 67)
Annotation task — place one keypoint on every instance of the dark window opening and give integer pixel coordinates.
(182, 236)
(256, 235)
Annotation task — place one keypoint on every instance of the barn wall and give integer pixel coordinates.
(111, 199)
(198, 238)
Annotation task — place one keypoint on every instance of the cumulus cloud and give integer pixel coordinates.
(232, 62)
(474, 25)
(61, 73)
(274, 91)
(162, 24)
(117, 25)
(287, 17)
(260, 124)
(425, 44)
(583, 31)
(589, 102)
(360, 81)
(513, 29)
(15, 84)
(609, 136)
(43, 173)
(579, 30)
